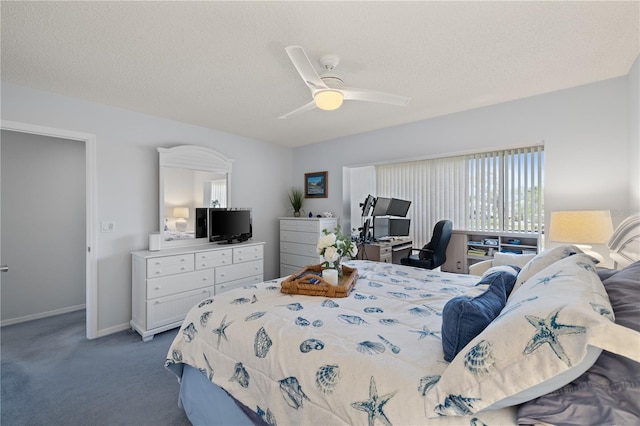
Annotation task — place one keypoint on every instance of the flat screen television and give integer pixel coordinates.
(398, 207)
(230, 225)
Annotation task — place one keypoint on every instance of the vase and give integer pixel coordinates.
(337, 265)
(296, 214)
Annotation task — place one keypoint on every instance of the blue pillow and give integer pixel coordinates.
(463, 317)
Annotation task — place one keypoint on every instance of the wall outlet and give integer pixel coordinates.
(108, 226)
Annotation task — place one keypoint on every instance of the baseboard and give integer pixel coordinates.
(40, 315)
(114, 329)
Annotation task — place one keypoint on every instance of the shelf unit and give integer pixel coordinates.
(468, 247)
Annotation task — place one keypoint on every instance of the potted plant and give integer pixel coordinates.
(296, 198)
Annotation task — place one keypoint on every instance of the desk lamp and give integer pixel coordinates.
(581, 227)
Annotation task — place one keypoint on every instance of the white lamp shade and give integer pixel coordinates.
(328, 99)
(581, 227)
(181, 212)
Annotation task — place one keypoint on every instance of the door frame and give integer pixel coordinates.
(91, 209)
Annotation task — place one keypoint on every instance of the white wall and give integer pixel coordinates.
(585, 131)
(361, 182)
(127, 181)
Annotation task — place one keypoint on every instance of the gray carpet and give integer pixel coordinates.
(52, 375)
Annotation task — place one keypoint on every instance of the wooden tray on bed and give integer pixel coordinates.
(308, 281)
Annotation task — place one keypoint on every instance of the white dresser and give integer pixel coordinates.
(298, 241)
(167, 283)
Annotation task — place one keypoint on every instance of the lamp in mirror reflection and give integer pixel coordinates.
(581, 228)
(181, 214)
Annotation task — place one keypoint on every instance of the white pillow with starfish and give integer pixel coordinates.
(549, 333)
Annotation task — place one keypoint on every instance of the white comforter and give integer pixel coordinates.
(364, 359)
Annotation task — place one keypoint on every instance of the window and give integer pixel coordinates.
(489, 191)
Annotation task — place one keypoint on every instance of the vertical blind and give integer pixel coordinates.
(489, 191)
(219, 193)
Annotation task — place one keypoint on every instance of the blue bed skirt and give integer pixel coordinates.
(207, 404)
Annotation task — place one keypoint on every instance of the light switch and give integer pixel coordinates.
(108, 226)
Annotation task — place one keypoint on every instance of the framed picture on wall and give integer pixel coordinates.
(315, 185)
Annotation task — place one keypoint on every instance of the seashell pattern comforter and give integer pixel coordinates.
(365, 359)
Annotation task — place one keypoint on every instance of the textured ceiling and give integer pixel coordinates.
(223, 65)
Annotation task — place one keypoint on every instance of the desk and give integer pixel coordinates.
(385, 251)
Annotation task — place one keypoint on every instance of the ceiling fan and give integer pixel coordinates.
(327, 88)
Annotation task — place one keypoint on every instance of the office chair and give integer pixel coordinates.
(433, 254)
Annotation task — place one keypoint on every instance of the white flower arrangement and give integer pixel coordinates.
(333, 246)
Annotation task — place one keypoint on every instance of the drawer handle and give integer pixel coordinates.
(158, 272)
(158, 287)
(204, 278)
(157, 302)
(222, 275)
(182, 269)
(203, 264)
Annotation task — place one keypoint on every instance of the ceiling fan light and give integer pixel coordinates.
(329, 99)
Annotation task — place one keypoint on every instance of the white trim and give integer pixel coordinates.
(91, 209)
(114, 329)
(41, 315)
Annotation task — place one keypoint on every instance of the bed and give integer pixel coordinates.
(510, 338)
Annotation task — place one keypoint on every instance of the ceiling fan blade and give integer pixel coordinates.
(305, 69)
(308, 107)
(354, 94)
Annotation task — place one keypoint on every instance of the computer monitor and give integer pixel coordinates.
(367, 205)
(380, 227)
(381, 207)
(385, 226)
(398, 207)
(399, 227)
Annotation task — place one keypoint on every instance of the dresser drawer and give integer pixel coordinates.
(213, 258)
(230, 285)
(298, 248)
(168, 265)
(246, 254)
(299, 226)
(298, 260)
(286, 270)
(300, 237)
(238, 271)
(308, 225)
(164, 286)
(385, 250)
(166, 310)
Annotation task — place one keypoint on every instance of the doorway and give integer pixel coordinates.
(45, 218)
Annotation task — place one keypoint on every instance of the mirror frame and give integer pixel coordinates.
(190, 157)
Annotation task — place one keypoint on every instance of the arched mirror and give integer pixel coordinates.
(190, 177)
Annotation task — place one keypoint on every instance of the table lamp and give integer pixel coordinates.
(581, 227)
(182, 214)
